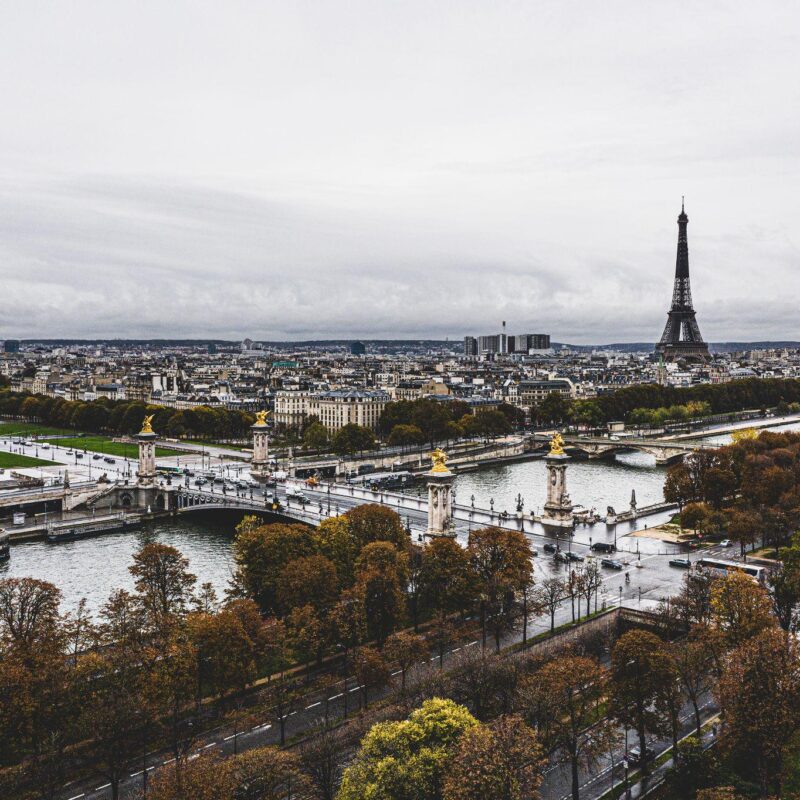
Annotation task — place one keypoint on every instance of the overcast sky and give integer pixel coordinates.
(397, 169)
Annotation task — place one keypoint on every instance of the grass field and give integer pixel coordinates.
(9, 460)
(103, 444)
(31, 428)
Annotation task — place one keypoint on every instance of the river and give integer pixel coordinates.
(92, 568)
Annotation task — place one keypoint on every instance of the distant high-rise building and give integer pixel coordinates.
(470, 346)
(11, 346)
(358, 349)
(681, 338)
(212, 349)
(539, 341)
(489, 344)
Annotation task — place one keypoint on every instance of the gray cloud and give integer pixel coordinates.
(295, 170)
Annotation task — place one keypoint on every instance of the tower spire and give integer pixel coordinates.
(681, 337)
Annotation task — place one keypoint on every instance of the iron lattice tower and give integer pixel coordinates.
(681, 338)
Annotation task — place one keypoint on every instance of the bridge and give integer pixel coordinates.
(331, 500)
(664, 451)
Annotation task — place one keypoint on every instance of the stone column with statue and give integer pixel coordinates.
(146, 476)
(259, 465)
(440, 496)
(558, 508)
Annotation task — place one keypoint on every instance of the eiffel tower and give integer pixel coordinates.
(681, 338)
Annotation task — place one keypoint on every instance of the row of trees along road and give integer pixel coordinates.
(125, 417)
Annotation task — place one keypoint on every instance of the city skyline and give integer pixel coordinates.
(297, 173)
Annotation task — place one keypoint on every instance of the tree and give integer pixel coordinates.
(334, 538)
(28, 612)
(370, 670)
(679, 488)
(563, 697)
(407, 759)
(405, 435)
(405, 650)
(501, 760)
(163, 581)
(315, 436)
(759, 693)
(306, 635)
(447, 581)
(693, 662)
(352, 438)
(550, 593)
(740, 607)
(117, 710)
(380, 583)
(267, 773)
(324, 754)
(376, 523)
(203, 778)
(695, 768)
(309, 580)
(640, 665)
(693, 516)
(743, 527)
(226, 654)
(262, 551)
(501, 560)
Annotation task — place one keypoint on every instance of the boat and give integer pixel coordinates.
(80, 530)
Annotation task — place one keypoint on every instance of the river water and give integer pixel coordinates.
(92, 568)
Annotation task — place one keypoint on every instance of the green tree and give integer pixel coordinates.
(352, 438)
(407, 760)
(315, 436)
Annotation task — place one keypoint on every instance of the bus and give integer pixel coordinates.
(719, 568)
(162, 470)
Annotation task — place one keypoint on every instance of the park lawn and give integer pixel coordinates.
(103, 444)
(10, 460)
(32, 429)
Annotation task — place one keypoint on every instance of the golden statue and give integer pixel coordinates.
(147, 426)
(556, 445)
(261, 417)
(439, 459)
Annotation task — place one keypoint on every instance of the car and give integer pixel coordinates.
(45, 446)
(549, 547)
(69, 452)
(611, 563)
(200, 482)
(683, 563)
(560, 556)
(219, 479)
(574, 556)
(635, 755)
(78, 455)
(241, 485)
(725, 543)
(604, 547)
(96, 457)
(109, 460)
